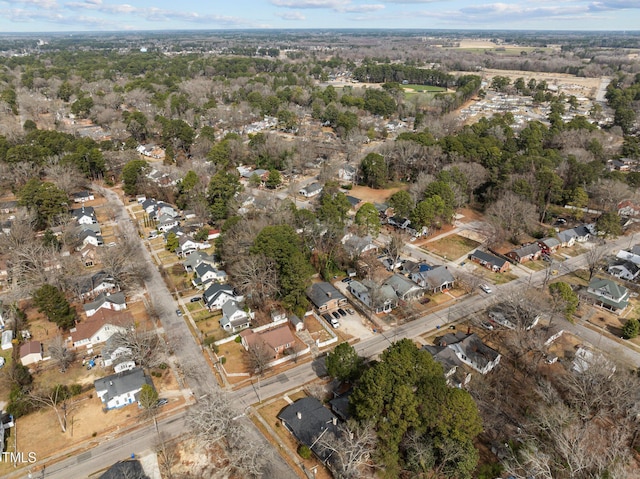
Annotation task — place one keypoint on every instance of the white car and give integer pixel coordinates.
(486, 288)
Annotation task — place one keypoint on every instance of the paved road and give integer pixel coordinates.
(474, 304)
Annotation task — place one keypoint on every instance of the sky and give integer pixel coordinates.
(113, 15)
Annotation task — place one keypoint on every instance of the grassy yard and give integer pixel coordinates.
(236, 355)
(423, 88)
(452, 247)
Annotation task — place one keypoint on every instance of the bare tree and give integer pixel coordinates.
(59, 352)
(167, 452)
(213, 419)
(513, 214)
(125, 263)
(57, 399)
(594, 258)
(142, 346)
(394, 248)
(468, 281)
(259, 357)
(351, 448)
(256, 277)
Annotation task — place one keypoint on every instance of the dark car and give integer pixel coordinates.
(342, 312)
(346, 280)
(327, 316)
(162, 401)
(195, 299)
(336, 315)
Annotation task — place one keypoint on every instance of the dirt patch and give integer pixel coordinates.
(452, 246)
(371, 195)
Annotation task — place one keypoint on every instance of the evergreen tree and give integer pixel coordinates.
(53, 304)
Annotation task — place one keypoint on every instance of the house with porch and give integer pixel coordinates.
(216, 295)
(197, 257)
(84, 215)
(325, 297)
(405, 289)
(436, 280)
(234, 318)
(624, 269)
(99, 328)
(471, 350)
(121, 389)
(115, 302)
(379, 298)
(205, 274)
(608, 294)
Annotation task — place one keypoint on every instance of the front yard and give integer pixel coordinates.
(451, 247)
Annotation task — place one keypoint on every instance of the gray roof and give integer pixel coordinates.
(550, 242)
(321, 293)
(527, 250)
(198, 257)
(471, 346)
(438, 276)
(115, 298)
(313, 187)
(401, 285)
(124, 469)
(628, 265)
(88, 283)
(314, 419)
(489, 258)
(204, 268)
(353, 201)
(444, 355)
(213, 291)
(84, 211)
(122, 383)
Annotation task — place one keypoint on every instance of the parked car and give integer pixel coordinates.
(334, 322)
(486, 288)
(327, 317)
(195, 299)
(486, 325)
(350, 311)
(347, 280)
(342, 312)
(162, 401)
(179, 312)
(335, 314)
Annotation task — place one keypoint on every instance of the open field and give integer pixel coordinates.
(452, 246)
(422, 88)
(371, 195)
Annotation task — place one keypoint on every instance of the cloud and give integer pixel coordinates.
(292, 16)
(495, 11)
(153, 14)
(615, 5)
(332, 4)
(47, 4)
(362, 8)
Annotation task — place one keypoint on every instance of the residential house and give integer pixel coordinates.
(8, 207)
(608, 294)
(381, 299)
(405, 289)
(325, 297)
(89, 237)
(307, 419)
(530, 252)
(31, 352)
(567, 238)
(89, 255)
(82, 196)
(355, 246)
(629, 209)
(113, 353)
(187, 246)
(100, 282)
(451, 365)
(311, 190)
(216, 295)
(197, 257)
(166, 222)
(121, 389)
(549, 245)
(436, 280)
(85, 215)
(490, 261)
(470, 350)
(632, 255)
(353, 201)
(399, 222)
(99, 328)
(115, 302)
(624, 269)
(411, 267)
(275, 340)
(513, 315)
(347, 172)
(581, 234)
(234, 318)
(205, 273)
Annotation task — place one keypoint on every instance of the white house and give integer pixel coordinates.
(121, 389)
(85, 215)
(115, 302)
(233, 317)
(100, 282)
(624, 269)
(470, 350)
(31, 352)
(347, 172)
(436, 280)
(82, 196)
(381, 299)
(216, 295)
(205, 273)
(99, 328)
(311, 190)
